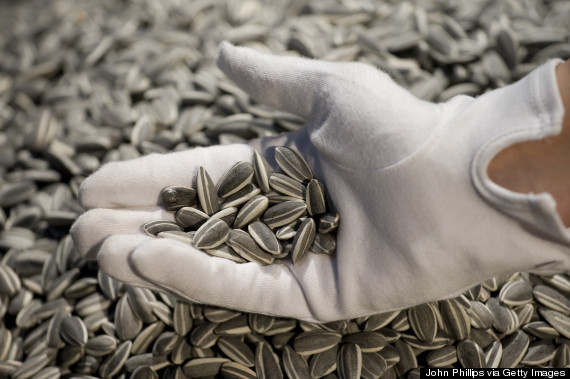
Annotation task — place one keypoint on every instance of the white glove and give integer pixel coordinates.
(420, 220)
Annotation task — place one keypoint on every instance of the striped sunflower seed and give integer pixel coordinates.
(48, 373)
(293, 164)
(538, 353)
(146, 337)
(226, 252)
(284, 213)
(505, 320)
(100, 345)
(211, 234)
(481, 316)
(313, 342)
(201, 367)
(514, 349)
(242, 243)
(279, 341)
(349, 361)
(517, 292)
(176, 197)
(128, 324)
(552, 299)
(324, 243)
(408, 360)
(241, 196)
(152, 228)
(380, 320)
(445, 356)
(493, 354)
(235, 179)
(113, 364)
(165, 343)
(236, 350)
(189, 217)
(264, 237)
(146, 360)
(540, 329)
(182, 322)
(423, 322)
(455, 318)
(9, 281)
(227, 215)
(369, 342)
(562, 356)
(303, 240)
(287, 231)
(73, 331)
(524, 314)
(235, 327)
(316, 198)
(203, 335)
(207, 193)
(5, 343)
(266, 363)
(31, 366)
(559, 281)
(328, 222)
(373, 366)
(293, 364)
(287, 186)
(438, 342)
(260, 323)
(184, 237)
(234, 370)
(323, 363)
(250, 211)
(557, 320)
(470, 355)
(144, 372)
(181, 352)
(262, 170)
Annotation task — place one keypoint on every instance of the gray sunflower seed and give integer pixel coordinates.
(552, 299)
(100, 345)
(128, 324)
(189, 217)
(368, 342)
(162, 311)
(313, 342)
(146, 337)
(181, 318)
(514, 349)
(113, 364)
(176, 197)
(293, 364)
(5, 343)
(323, 363)
(541, 329)
(235, 179)
(241, 196)
(234, 370)
(293, 164)
(184, 237)
(493, 354)
(380, 320)
(400, 322)
(165, 343)
(264, 237)
(287, 186)
(559, 281)
(303, 240)
(445, 356)
(316, 198)
(287, 231)
(470, 354)
(234, 327)
(390, 355)
(92, 304)
(407, 360)
(423, 322)
(236, 350)
(14, 193)
(219, 315)
(505, 320)
(440, 340)
(73, 331)
(328, 222)
(250, 211)
(524, 314)
(31, 366)
(109, 286)
(245, 246)
(81, 288)
(181, 352)
(211, 234)
(266, 363)
(203, 335)
(557, 320)
(262, 170)
(260, 323)
(324, 243)
(481, 316)
(144, 373)
(562, 356)
(538, 353)
(226, 252)
(349, 361)
(227, 215)
(284, 213)
(146, 360)
(48, 373)
(207, 193)
(515, 293)
(279, 341)
(373, 366)
(152, 228)
(9, 281)
(455, 318)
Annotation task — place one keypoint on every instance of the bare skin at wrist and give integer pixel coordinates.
(543, 165)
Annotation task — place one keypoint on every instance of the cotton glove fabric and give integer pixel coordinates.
(420, 219)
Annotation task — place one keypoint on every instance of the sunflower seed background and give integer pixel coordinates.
(83, 83)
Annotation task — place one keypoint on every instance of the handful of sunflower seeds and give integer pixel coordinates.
(253, 214)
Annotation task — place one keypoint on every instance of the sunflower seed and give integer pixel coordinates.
(552, 299)
(324, 243)
(562, 356)
(287, 231)
(146, 360)
(203, 367)
(373, 365)
(284, 213)
(181, 352)
(266, 363)
(182, 322)
(493, 354)
(184, 237)
(227, 215)
(313, 342)
(557, 320)
(219, 315)
(316, 198)
(14, 193)
(236, 350)
(514, 349)
(226, 252)
(524, 314)
(114, 362)
(144, 373)
(303, 240)
(31, 366)
(242, 243)
(234, 327)
(73, 331)
(146, 337)
(128, 324)
(328, 222)
(368, 342)
(287, 186)
(324, 362)
(250, 211)
(9, 281)
(455, 318)
(207, 193)
(234, 370)
(211, 234)
(349, 361)
(176, 197)
(189, 217)
(560, 282)
(481, 316)
(241, 196)
(505, 319)
(293, 164)
(293, 364)
(264, 237)
(541, 329)
(379, 320)
(407, 360)
(262, 170)
(470, 355)
(100, 345)
(442, 357)
(538, 353)
(515, 293)
(235, 179)
(423, 322)
(152, 228)
(165, 343)
(92, 304)
(203, 335)
(5, 343)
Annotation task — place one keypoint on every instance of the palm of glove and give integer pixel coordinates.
(362, 132)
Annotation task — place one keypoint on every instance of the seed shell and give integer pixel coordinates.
(203, 335)
(313, 342)
(287, 186)
(324, 363)
(516, 292)
(242, 243)
(539, 352)
(235, 179)
(293, 164)
(176, 197)
(493, 354)
(373, 365)
(182, 322)
(9, 281)
(264, 237)
(226, 252)
(251, 210)
(481, 316)
(100, 345)
(303, 240)
(562, 356)
(445, 356)
(178, 235)
(211, 234)
(114, 362)
(557, 320)
(328, 222)
(287, 231)
(324, 243)
(349, 361)
(316, 198)
(514, 349)
(470, 354)
(234, 370)
(201, 367)
(505, 320)
(73, 331)
(541, 329)
(455, 318)
(369, 342)
(189, 217)
(407, 360)
(207, 193)
(552, 299)
(284, 213)
(266, 363)
(262, 170)
(236, 350)
(227, 215)
(293, 364)
(423, 322)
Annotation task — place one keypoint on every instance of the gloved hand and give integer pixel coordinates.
(420, 220)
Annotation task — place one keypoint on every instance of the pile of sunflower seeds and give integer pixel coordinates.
(84, 83)
(273, 232)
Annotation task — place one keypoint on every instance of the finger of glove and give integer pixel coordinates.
(94, 226)
(139, 182)
(113, 259)
(198, 277)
